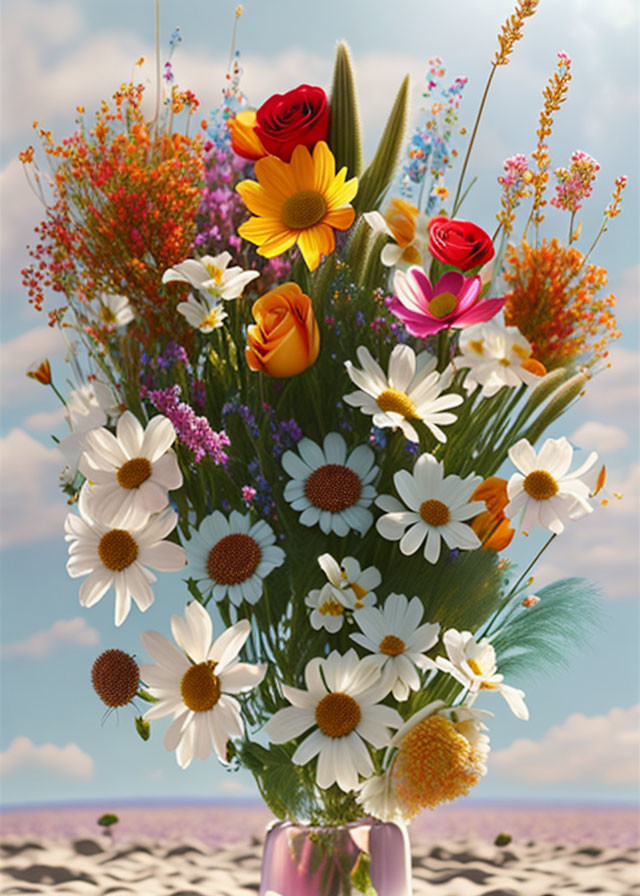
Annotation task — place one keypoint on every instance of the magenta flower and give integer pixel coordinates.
(454, 301)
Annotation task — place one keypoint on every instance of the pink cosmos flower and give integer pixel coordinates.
(454, 301)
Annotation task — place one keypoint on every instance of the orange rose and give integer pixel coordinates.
(244, 140)
(285, 339)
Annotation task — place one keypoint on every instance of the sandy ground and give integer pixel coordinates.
(33, 863)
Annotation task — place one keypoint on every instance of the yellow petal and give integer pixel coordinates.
(316, 242)
(258, 200)
(302, 168)
(343, 194)
(275, 176)
(324, 168)
(259, 230)
(278, 243)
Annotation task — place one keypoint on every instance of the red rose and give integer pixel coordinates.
(459, 243)
(287, 120)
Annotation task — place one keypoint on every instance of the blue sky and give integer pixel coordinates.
(56, 55)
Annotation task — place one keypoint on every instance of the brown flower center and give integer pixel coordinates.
(200, 688)
(540, 485)
(337, 714)
(398, 402)
(134, 472)
(115, 677)
(391, 645)
(117, 549)
(331, 608)
(333, 487)
(443, 304)
(435, 512)
(233, 559)
(303, 209)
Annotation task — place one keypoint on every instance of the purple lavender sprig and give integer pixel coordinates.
(192, 430)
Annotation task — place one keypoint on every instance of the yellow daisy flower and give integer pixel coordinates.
(298, 202)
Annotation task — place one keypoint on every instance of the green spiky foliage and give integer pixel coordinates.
(378, 176)
(345, 139)
(543, 637)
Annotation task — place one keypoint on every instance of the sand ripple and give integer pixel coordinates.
(471, 867)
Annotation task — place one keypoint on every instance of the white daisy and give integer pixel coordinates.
(114, 310)
(211, 277)
(496, 357)
(119, 558)
(436, 504)
(232, 557)
(351, 585)
(473, 664)
(130, 473)
(328, 608)
(202, 313)
(344, 713)
(331, 489)
(89, 406)
(410, 392)
(547, 493)
(397, 640)
(195, 685)
(378, 798)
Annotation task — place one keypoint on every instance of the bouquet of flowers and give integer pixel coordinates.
(318, 396)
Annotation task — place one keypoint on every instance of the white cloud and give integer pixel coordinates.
(19, 354)
(602, 546)
(42, 644)
(600, 437)
(597, 749)
(614, 392)
(32, 505)
(45, 420)
(233, 785)
(68, 761)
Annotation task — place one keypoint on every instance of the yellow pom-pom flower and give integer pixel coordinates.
(441, 755)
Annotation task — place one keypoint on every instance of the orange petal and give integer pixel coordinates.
(315, 242)
(278, 243)
(324, 168)
(340, 218)
(275, 176)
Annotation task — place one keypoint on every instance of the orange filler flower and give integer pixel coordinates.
(41, 371)
(492, 525)
(298, 203)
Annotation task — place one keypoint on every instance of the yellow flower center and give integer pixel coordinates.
(359, 592)
(117, 549)
(505, 362)
(216, 273)
(540, 485)
(410, 255)
(107, 315)
(435, 513)
(134, 472)
(200, 687)
(397, 402)
(303, 209)
(442, 304)
(391, 645)
(233, 559)
(213, 319)
(337, 714)
(475, 667)
(477, 346)
(520, 351)
(331, 608)
(333, 487)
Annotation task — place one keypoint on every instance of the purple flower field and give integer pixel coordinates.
(219, 824)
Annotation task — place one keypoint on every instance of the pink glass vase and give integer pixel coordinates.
(301, 860)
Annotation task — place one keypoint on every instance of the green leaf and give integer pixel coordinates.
(108, 819)
(143, 728)
(376, 179)
(344, 126)
(361, 876)
(145, 695)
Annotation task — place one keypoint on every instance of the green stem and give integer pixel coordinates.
(456, 203)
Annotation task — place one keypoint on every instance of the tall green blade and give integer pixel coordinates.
(344, 127)
(379, 174)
